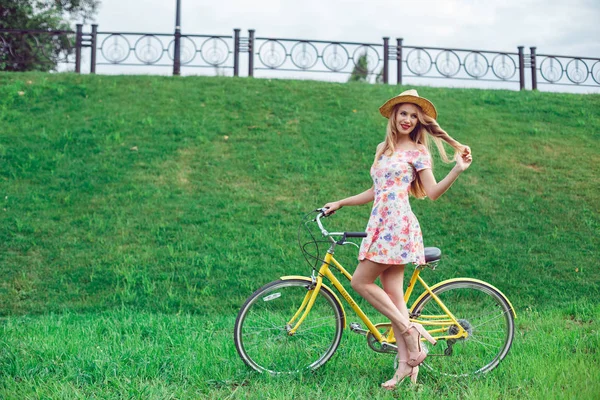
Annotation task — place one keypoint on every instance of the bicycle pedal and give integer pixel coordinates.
(356, 328)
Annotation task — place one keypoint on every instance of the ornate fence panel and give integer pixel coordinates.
(158, 49)
(59, 50)
(277, 54)
(22, 50)
(481, 65)
(565, 70)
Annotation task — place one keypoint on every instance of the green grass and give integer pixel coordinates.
(172, 199)
(120, 354)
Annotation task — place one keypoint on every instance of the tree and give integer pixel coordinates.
(360, 72)
(40, 51)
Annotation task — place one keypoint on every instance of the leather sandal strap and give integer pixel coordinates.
(407, 328)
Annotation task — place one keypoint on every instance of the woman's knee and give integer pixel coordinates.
(365, 274)
(357, 284)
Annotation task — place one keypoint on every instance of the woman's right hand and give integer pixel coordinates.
(332, 207)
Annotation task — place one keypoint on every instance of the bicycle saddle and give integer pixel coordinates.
(432, 254)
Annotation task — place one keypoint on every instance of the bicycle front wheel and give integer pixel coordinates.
(262, 327)
(483, 312)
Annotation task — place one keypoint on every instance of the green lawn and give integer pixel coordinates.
(140, 355)
(139, 212)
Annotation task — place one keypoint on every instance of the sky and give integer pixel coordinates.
(555, 27)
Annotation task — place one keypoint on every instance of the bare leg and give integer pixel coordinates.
(392, 280)
(363, 282)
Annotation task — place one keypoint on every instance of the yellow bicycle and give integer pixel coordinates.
(296, 322)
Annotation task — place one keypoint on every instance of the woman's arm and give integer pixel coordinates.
(361, 198)
(433, 189)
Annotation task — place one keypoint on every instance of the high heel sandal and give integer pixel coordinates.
(414, 372)
(416, 357)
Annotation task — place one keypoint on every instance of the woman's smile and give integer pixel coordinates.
(406, 117)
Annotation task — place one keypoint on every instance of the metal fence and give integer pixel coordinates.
(317, 56)
(223, 53)
(134, 49)
(481, 65)
(567, 70)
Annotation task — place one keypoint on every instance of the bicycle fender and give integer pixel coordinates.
(468, 280)
(323, 286)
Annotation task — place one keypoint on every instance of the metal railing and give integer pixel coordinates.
(482, 65)
(223, 52)
(565, 70)
(317, 56)
(134, 49)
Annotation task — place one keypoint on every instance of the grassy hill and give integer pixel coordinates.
(180, 196)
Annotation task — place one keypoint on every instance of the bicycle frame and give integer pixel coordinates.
(442, 323)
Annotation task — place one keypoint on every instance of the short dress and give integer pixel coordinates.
(393, 232)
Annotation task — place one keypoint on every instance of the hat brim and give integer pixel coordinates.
(427, 106)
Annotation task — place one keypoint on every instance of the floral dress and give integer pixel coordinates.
(393, 232)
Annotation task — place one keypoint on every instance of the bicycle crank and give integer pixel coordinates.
(380, 347)
(356, 328)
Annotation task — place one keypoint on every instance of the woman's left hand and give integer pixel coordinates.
(466, 150)
(464, 160)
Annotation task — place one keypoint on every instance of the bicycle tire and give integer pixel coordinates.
(261, 335)
(473, 304)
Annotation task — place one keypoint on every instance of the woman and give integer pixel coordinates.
(402, 165)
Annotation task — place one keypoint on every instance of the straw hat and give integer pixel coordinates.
(408, 96)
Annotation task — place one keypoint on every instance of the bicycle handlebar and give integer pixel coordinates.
(344, 235)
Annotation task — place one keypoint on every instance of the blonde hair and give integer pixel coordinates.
(426, 126)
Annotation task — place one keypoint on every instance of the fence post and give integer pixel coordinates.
(399, 60)
(236, 52)
(177, 54)
(533, 69)
(250, 52)
(93, 58)
(78, 40)
(386, 52)
(177, 48)
(521, 68)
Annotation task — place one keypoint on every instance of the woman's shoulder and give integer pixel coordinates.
(421, 148)
(419, 154)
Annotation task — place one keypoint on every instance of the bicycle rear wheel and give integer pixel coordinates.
(484, 313)
(261, 328)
